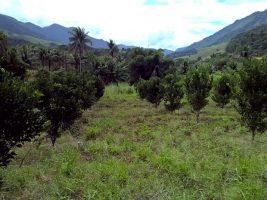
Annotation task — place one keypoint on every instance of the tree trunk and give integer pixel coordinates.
(80, 64)
(49, 65)
(22, 160)
(197, 116)
(43, 63)
(253, 136)
(53, 134)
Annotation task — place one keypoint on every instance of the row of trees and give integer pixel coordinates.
(43, 101)
(247, 87)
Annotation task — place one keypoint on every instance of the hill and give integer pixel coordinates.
(226, 34)
(20, 32)
(206, 52)
(254, 42)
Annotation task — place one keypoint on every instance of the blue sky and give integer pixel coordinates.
(148, 23)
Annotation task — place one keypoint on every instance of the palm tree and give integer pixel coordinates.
(78, 41)
(113, 48)
(42, 56)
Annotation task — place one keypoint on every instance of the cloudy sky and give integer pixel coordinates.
(149, 23)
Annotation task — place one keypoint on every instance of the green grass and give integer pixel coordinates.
(128, 149)
(208, 51)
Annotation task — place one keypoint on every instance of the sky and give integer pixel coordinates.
(169, 24)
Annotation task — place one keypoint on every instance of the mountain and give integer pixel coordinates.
(14, 26)
(253, 42)
(20, 32)
(226, 34)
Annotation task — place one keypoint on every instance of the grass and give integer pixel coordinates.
(208, 51)
(128, 149)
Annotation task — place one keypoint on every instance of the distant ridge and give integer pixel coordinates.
(226, 34)
(30, 33)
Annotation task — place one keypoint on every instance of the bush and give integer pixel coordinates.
(20, 120)
(64, 96)
(252, 95)
(151, 90)
(173, 92)
(197, 86)
(222, 91)
(141, 88)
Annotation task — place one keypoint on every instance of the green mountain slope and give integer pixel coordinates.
(254, 42)
(226, 34)
(20, 32)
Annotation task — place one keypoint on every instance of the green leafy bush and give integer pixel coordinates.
(222, 91)
(252, 95)
(197, 86)
(173, 92)
(65, 94)
(20, 120)
(151, 90)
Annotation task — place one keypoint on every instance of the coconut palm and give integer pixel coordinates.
(78, 41)
(42, 56)
(113, 48)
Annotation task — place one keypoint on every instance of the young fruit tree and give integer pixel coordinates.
(252, 95)
(197, 87)
(64, 97)
(151, 90)
(222, 91)
(20, 120)
(172, 92)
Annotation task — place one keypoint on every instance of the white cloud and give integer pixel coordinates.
(170, 24)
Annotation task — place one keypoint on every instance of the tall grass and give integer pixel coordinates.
(131, 150)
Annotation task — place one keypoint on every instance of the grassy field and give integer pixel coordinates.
(124, 148)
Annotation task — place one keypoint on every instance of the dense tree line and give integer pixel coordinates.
(251, 43)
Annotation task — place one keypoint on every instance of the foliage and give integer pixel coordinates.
(113, 48)
(145, 63)
(222, 91)
(151, 90)
(172, 92)
(20, 120)
(78, 43)
(197, 86)
(110, 70)
(64, 95)
(10, 60)
(139, 152)
(3, 46)
(252, 43)
(252, 96)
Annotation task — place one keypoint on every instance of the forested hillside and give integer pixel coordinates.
(253, 42)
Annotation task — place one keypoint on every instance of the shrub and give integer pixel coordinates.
(222, 91)
(252, 95)
(141, 88)
(64, 96)
(151, 90)
(197, 86)
(173, 92)
(20, 120)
